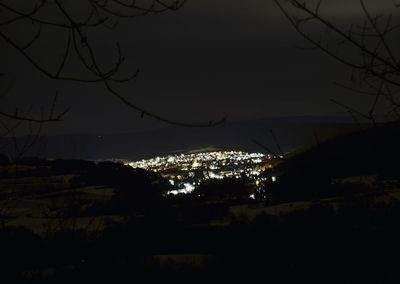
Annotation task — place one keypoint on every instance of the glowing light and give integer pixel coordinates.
(187, 188)
(193, 167)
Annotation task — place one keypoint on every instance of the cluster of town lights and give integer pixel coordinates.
(186, 171)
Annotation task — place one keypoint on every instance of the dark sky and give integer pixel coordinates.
(209, 59)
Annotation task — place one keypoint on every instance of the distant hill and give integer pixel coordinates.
(372, 152)
(292, 132)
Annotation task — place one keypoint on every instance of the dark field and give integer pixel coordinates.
(67, 221)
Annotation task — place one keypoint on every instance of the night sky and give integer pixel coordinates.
(210, 59)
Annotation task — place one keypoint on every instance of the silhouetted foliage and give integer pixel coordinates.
(4, 160)
(73, 165)
(311, 174)
(32, 161)
(225, 189)
(133, 188)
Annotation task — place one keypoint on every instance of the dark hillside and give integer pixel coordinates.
(364, 153)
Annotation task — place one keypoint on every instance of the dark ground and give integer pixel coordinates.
(329, 229)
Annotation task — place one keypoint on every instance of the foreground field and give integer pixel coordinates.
(107, 223)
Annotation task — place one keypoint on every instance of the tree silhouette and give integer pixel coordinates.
(225, 189)
(76, 21)
(368, 47)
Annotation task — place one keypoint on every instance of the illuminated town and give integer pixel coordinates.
(187, 171)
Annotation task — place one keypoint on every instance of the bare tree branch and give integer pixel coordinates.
(96, 14)
(371, 55)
